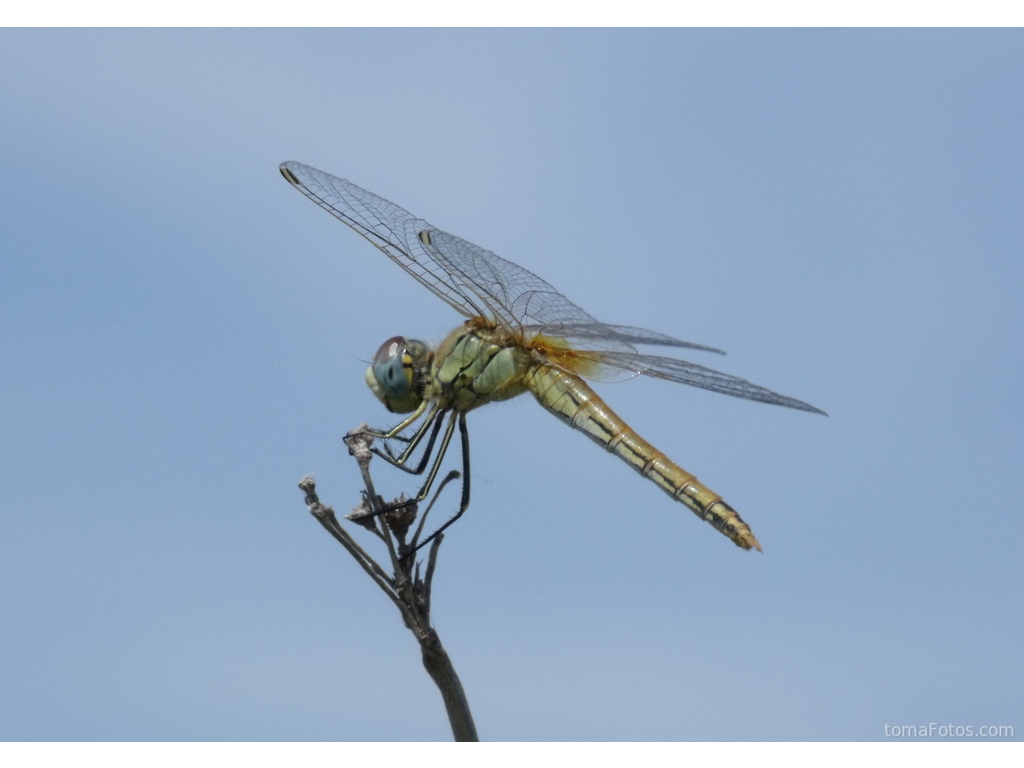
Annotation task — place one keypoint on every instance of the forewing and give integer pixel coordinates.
(698, 376)
(475, 281)
(389, 227)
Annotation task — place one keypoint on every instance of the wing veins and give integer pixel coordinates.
(387, 226)
(683, 372)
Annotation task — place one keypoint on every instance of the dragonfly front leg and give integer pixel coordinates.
(394, 432)
(401, 461)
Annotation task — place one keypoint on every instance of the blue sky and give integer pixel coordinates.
(184, 337)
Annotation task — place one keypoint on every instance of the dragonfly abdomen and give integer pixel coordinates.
(570, 399)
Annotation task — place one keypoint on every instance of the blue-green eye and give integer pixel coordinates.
(392, 368)
(399, 374)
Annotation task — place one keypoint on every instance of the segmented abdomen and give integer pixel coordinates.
(568, 397)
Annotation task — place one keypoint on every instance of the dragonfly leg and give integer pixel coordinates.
(441, 451)
(394, 432)
(464, 502)
(432, 424)
(453, 475)
(432, 475)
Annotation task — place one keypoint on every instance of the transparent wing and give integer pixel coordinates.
(518, 299)
(390, 228)
(695, 375)
(582, 333)
(475, 281)
(479, 283)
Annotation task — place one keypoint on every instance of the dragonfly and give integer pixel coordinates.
(520, 335)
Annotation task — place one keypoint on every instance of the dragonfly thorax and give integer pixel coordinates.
(399, 374)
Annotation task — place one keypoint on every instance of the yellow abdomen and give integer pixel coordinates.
(570, 399)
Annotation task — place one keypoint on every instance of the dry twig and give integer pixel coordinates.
(404, 586)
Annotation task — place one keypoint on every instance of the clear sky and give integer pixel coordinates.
(183, 337)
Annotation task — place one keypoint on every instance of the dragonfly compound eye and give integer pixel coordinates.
(392, 377)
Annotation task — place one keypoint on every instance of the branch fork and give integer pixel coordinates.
(402, 582)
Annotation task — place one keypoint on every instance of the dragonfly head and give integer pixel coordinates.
(399, 374)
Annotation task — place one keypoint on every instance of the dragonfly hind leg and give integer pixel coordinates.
(464, 501)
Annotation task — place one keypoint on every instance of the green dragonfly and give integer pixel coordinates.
(520, 335)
